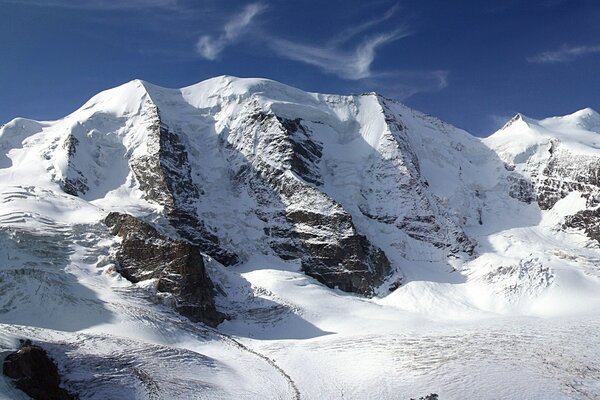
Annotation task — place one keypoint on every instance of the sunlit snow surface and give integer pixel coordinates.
(520, 321)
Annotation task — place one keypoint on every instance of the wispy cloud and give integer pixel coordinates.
(334, 57)
(97, 4)
(210, 47)
(351, 32)
(348, 64)
(564, 54)
(349, 54)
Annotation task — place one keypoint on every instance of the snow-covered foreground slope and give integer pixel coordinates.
(358, 248)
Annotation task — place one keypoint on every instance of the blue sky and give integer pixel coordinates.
(471, 63)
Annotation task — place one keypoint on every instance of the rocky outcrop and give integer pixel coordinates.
(521, 188)
(75, 183)
(431, 396)
(586, 220)
(553, 178)
(565, 173)
(346, 261)
(176, 265)
(34, 372)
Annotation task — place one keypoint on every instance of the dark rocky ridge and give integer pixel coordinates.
(165, 177)
(75, 182)
(177, 266)
(34, 372)
(565, 173)
(327, 243)
(586, 220)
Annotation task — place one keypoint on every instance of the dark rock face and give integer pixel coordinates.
(521, 189)
(164, 174)
(302, 154)
(431, 396)
(586, 220)
(34, 372)
(177, 265)
(323, 238)
(351, 263)
(565, 173)
(75, 183)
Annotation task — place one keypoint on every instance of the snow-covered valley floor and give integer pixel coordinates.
(289, 337)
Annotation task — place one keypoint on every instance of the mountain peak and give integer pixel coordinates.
(519, 118)
(121, 100)
(586, 119)
(586, 112)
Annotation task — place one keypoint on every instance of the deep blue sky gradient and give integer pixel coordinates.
(471, 63)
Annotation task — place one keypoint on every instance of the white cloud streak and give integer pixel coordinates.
(564, 54)
(332, 58)
(336, 56)
(349, 33)
(348, 64)
(210, 47)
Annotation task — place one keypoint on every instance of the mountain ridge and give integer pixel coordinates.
(279, 216)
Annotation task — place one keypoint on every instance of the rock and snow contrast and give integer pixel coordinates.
(240, 238)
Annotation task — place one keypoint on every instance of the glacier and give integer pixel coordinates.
(356, 248)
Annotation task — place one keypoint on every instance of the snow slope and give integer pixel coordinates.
(485, 281)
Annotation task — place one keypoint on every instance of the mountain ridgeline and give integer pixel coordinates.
(356, 191)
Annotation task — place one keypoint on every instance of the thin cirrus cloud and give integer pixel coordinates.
(564, 54)
(348, 64)
(349, 33)
(336, 56)
(354, 64)
(210, 47)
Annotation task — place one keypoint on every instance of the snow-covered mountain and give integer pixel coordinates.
(238, 231)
